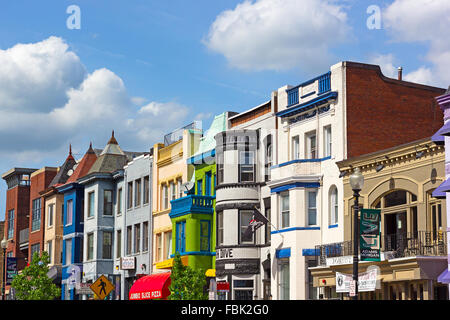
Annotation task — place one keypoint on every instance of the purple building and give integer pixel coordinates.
(443, 137)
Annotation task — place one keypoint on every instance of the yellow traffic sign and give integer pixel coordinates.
(102, 287)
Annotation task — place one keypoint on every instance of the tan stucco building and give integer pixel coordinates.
(399, 181)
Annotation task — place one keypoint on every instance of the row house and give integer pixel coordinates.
(170, 171)
(99, 197)
(133, 222)
(244, 155)
(351, 110)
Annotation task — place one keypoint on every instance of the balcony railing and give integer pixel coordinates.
(192, 204)
(421, 243)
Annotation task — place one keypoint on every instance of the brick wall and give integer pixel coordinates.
(266, 108)
(38, 182)
(383, 112)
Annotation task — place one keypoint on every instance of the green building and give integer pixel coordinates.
(193, 216)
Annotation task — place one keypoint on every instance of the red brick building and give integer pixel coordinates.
(17, 211)
(39, 182)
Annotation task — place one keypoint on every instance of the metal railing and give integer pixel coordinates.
(420, 243)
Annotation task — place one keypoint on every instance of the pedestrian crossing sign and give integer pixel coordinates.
(102, 287)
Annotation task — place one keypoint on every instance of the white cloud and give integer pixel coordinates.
(386, 63)
(36, 76)
(278, 34)
(427, 22)
(70, 105)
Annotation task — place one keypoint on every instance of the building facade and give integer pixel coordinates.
(413, 239)
(133, 226)
(170, 171)
(243, 158)
(349, 111)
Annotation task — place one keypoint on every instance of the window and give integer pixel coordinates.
(180, 190)
(130, 195)
(214, 184)
(119, 244)
(268, 227)
(146, 189)
(119, 201)
(137, 192)
(107, 245)
(436, 219)
(129, 240)
(50, 214)
(219, 166)
(91, 204)
(36, 215)
(35, 248)
(69, 213)
(208, 183)
(168, 244)
(311, 152)
(107, 202)
(145, 236)
(204, 235)
(284, 209)
(158, 247)
(220, 228)
(137, 238)
(269, 160)
(180, 245)
(10, 224)
(284, 279)
(295, 148)
(246, 166)
(49, 251)
(243, 289)
(333, 205)
(312, 209)
(90, 246)
(165, 196)
(327, 141)
(173, 191)
(245, 216)
(68, 257)
(199, 187)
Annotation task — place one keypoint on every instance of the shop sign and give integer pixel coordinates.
(334, 261)
(146, 295)
(83, 288)
(128, 263)
(369, 234)
(223, 286)
(11, 269)
(367, 281)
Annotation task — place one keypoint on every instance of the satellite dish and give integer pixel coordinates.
(188, 187)
(70, 172)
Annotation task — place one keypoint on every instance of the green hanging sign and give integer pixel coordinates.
(369, 234)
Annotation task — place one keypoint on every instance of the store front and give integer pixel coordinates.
(154, 286)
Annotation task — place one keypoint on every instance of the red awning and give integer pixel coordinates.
(154, 286)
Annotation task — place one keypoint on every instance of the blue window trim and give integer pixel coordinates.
(283, 253)
(208, 183)
(180, 237)
(310, 252)
(295, 185)
(300, 161)
(322, 99)
(199, 187)
(294, 229)
(331, 226)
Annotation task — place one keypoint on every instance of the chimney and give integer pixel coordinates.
(400, 69)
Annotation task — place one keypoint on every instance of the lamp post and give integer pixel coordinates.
(356, 183)
(4, 244)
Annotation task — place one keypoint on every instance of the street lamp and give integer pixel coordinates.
(356, 183)
(4, 244)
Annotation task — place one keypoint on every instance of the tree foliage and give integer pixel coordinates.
(186, 283)
(33, 283)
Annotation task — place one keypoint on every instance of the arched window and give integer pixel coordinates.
(333, 201)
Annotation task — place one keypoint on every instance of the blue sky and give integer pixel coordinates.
(144, 68)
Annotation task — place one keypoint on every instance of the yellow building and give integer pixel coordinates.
(170, 171)
(399, 181)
